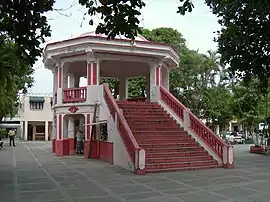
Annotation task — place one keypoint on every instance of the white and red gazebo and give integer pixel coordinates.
(92, 57)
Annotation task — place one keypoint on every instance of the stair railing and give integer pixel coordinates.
(136, 154)
(223, 150)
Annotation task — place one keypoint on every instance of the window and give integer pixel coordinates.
(36, 105)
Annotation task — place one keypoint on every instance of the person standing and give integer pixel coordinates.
(11, 135)
(79, 145)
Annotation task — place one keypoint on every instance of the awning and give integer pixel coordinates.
(36, 99)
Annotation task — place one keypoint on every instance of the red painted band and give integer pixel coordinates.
(60, 126)
(94, 74)
(60, 77)
(88, 126)
(89, 73)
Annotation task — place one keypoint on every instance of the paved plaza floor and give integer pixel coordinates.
(31, 173)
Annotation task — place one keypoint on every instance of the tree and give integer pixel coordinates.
(17, 77)
(247, 101)
(24, 23)
(243, 41)
(218, 102)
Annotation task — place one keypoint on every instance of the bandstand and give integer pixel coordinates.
(94, 57)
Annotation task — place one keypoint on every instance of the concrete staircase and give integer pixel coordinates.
(168, 147)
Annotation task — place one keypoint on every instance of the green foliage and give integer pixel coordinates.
(113, 84)
(24, 23)
(23, 27)
(120, 17)
(247, 104)
(15, 76)
(244, 40)
(137, 87)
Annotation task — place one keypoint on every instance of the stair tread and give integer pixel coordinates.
(178, 152)
(183, 162)
(177, 157)
(182, 168)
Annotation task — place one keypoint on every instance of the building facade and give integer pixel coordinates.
(36, 117)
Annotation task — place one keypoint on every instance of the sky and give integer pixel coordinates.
(197, 28)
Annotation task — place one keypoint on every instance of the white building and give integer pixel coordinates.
(36, 117)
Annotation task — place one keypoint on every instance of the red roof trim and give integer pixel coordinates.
(105, 39)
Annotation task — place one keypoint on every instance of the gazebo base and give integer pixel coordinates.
(257, 149)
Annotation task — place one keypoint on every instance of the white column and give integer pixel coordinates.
(34, 131)
(71, 81)
(186, 119)
(54, 129)
(81, 124)
(46, 130)
(55, 83)
(60, 85)
(217, 130)
(123, 88)
(65, 127)
(165, 77)
(155, 80)
(71, 127)
(65, 75)
(26, 130)
(148, 87)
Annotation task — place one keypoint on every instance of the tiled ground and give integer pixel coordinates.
(31, 173)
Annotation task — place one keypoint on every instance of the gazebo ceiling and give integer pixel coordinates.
(112, 68)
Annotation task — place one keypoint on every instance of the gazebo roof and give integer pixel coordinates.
(137, 38)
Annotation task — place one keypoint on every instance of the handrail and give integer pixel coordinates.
(123, 127)
(167, 97)
(76, 88)
(201, 130)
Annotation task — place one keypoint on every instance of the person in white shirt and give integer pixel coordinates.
(11, 135)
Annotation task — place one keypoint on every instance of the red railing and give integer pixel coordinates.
(195, 124)
(74, 95)
(177, 107)
(207, 135)
(122, 125)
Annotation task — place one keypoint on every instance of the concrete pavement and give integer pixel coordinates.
(31, 173)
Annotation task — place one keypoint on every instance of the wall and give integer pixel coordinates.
(36, 115)
(120, 155)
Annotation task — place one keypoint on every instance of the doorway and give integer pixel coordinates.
(30, 132)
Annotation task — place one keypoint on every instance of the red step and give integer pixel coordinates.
(152, 119)
(153, 122)
(177, 165)
(178, 159)
(144, 117)
(172, 149)
(168, 133)
(178, 145)
(157, 127)
(165, 141)
(170, 169)
(164, 154)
